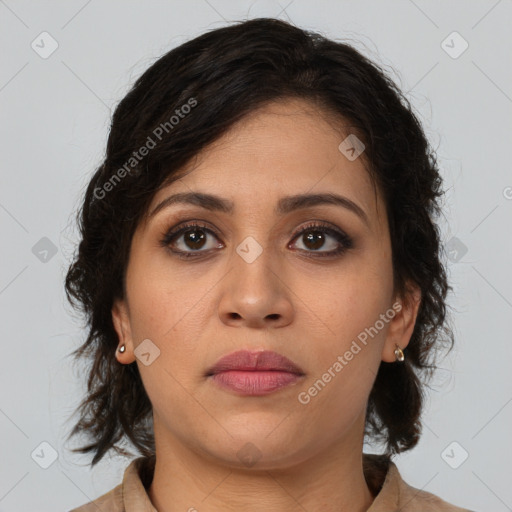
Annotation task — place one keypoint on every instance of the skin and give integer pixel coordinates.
(309, 309)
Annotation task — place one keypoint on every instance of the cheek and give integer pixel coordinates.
(352, 302)
(169, 310)
(161, 300)
(347, 359)
(348, 356)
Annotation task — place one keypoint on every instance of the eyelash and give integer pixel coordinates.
(342, 238)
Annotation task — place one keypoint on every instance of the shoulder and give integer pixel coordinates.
(111, 501)
(130, 493)
(393, 493)
(412, 499)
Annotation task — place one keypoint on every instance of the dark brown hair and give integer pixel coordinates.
(223, 75)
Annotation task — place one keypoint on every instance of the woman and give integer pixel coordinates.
(261, 271)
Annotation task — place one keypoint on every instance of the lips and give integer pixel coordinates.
(245, 360)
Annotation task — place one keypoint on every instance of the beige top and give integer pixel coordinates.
(390, 491)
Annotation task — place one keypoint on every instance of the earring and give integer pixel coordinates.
(399, 353)
(122, 348)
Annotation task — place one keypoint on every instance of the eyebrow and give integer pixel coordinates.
(284, 205)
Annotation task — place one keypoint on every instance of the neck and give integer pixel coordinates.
(331, 481)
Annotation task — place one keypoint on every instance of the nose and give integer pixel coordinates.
(255, 295)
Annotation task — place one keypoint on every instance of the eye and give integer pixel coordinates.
(194, 236)
(318, 235)
(191, 240)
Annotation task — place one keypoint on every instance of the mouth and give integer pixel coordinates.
(255, 373)
(247, 361)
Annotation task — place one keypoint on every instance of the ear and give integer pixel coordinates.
(121, 321)
(402, 325)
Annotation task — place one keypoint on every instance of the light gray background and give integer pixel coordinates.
(55, 117)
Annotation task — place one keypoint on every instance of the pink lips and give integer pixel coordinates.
(255, 373)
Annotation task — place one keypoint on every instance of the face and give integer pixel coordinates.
(307, 282)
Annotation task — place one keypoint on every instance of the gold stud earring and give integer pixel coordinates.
(122, 348)
(399, 353)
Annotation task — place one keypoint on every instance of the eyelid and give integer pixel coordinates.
(339, 234)
(341, 237)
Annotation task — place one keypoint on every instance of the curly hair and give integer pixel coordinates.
(225, 74)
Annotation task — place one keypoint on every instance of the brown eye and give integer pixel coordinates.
(190, 239)
(323, 239)
(194, 239)
(317, 239)
(314, 240)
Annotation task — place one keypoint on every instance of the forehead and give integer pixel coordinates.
(287, 147)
